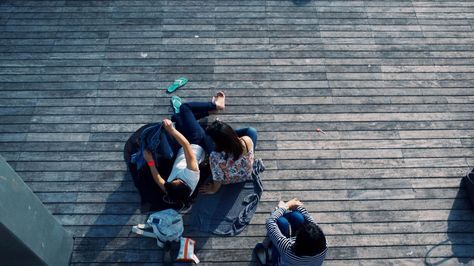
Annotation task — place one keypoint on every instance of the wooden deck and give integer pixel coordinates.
(390, 82)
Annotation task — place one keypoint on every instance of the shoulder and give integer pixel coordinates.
(248, 142)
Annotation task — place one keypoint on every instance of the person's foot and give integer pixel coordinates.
(260, 254)
(175, 103)
(219, 100)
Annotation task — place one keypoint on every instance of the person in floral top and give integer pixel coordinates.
(233, 156)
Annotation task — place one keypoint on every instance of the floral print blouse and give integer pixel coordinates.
(228, 171)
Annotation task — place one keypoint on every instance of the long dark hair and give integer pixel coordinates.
(225, 138)
(178, 192)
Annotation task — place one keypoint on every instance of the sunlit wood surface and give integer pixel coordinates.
(391, 84)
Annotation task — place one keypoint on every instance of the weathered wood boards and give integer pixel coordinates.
(390, 82)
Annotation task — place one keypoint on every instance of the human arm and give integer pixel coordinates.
(191, 162)
(154, 172)
(279, 240)
(296, 205)
(248, 143)
(210, 188)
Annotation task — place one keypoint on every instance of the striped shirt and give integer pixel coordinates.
(285, 244)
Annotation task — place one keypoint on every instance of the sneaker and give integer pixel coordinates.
(261, 254)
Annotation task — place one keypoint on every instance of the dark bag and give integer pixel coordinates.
(149, 191)
(468, 181)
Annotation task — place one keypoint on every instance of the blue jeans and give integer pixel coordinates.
(187, 123)
(187, 120)
(295, 220)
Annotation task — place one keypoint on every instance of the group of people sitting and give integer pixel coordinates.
(295, 237)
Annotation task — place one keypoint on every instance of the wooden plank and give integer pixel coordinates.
(389, 82)
(127, 185)
(308, 174)
(274, 196)
(265, 206)
(330, 229)
(238, 242)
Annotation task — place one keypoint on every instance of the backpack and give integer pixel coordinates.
(165, 226)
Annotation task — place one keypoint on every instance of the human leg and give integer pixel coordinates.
(295, 219)
(187, 124)
(189, 113)
(249, 132)
(284, 226)
(201, 109)
(288, 224)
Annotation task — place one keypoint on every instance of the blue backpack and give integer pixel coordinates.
(165, 226)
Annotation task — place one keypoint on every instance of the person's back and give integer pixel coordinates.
(227, 170)
(232, 160)
(310, 251)
(306, 245)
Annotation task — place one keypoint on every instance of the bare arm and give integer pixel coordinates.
(248, 143)
(191, 162)
(154, 172)
(210, 188)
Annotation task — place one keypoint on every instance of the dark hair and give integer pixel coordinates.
(310, 240)
(225, 138)
(178, 192)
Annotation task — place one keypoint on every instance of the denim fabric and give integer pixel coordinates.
(187, 121)
(292, 219)
(153, 138)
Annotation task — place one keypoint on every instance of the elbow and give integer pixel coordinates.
(269, 222)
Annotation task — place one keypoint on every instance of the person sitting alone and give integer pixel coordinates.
(295, 237)
(233, 157)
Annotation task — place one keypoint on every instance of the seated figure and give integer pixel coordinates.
(295, 237)
(233, 156)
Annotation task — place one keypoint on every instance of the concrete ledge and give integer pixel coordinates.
(30, 234)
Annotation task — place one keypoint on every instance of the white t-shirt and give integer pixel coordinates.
(190, 177)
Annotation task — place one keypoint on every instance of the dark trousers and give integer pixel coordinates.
(293, 220)
(187, 121)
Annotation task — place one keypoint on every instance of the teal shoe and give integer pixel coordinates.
(176, 103)
(176, 84)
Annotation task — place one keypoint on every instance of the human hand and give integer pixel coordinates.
(282, 204)
(207, 189)
(167, 124)
(147, 156)
(293, 204)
